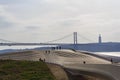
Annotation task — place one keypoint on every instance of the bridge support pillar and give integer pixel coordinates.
(75, 39)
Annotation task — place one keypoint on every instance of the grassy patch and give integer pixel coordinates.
(24, 70)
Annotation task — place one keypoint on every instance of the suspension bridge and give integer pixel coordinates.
(75, 35)
(74, 63)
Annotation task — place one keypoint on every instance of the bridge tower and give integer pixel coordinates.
(75, 40)
(75, 37)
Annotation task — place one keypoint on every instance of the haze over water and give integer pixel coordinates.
(17, 47)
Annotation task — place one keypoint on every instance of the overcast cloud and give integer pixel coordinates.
(45, 20)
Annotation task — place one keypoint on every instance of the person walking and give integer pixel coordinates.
(84, 62)
(111, 60)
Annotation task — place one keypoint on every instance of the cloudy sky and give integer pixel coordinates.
(45, 20)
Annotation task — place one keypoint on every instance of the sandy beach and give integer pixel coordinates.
(62, 57)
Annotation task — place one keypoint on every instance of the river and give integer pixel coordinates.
(116, 54)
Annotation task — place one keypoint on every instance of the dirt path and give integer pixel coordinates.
(58, 72)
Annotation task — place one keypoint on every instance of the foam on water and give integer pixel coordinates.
(116, 54)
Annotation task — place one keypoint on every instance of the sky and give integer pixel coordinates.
(46, 20)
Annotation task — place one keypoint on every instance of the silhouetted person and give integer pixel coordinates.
(48, 51)
(111, 60)
(84, 62)
(44, 60)
(40, 59)
(60, 47)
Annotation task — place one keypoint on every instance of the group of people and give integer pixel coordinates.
(58, 47)
(47, 51)
(84, 62)
(41, 60)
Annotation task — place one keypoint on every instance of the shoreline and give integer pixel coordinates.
(57, 70)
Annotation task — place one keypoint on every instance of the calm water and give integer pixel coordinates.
(23, 47)
(117, 54)
(17, 47)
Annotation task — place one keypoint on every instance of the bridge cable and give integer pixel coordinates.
(60, 38)
(85, 38)
(7, 41)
